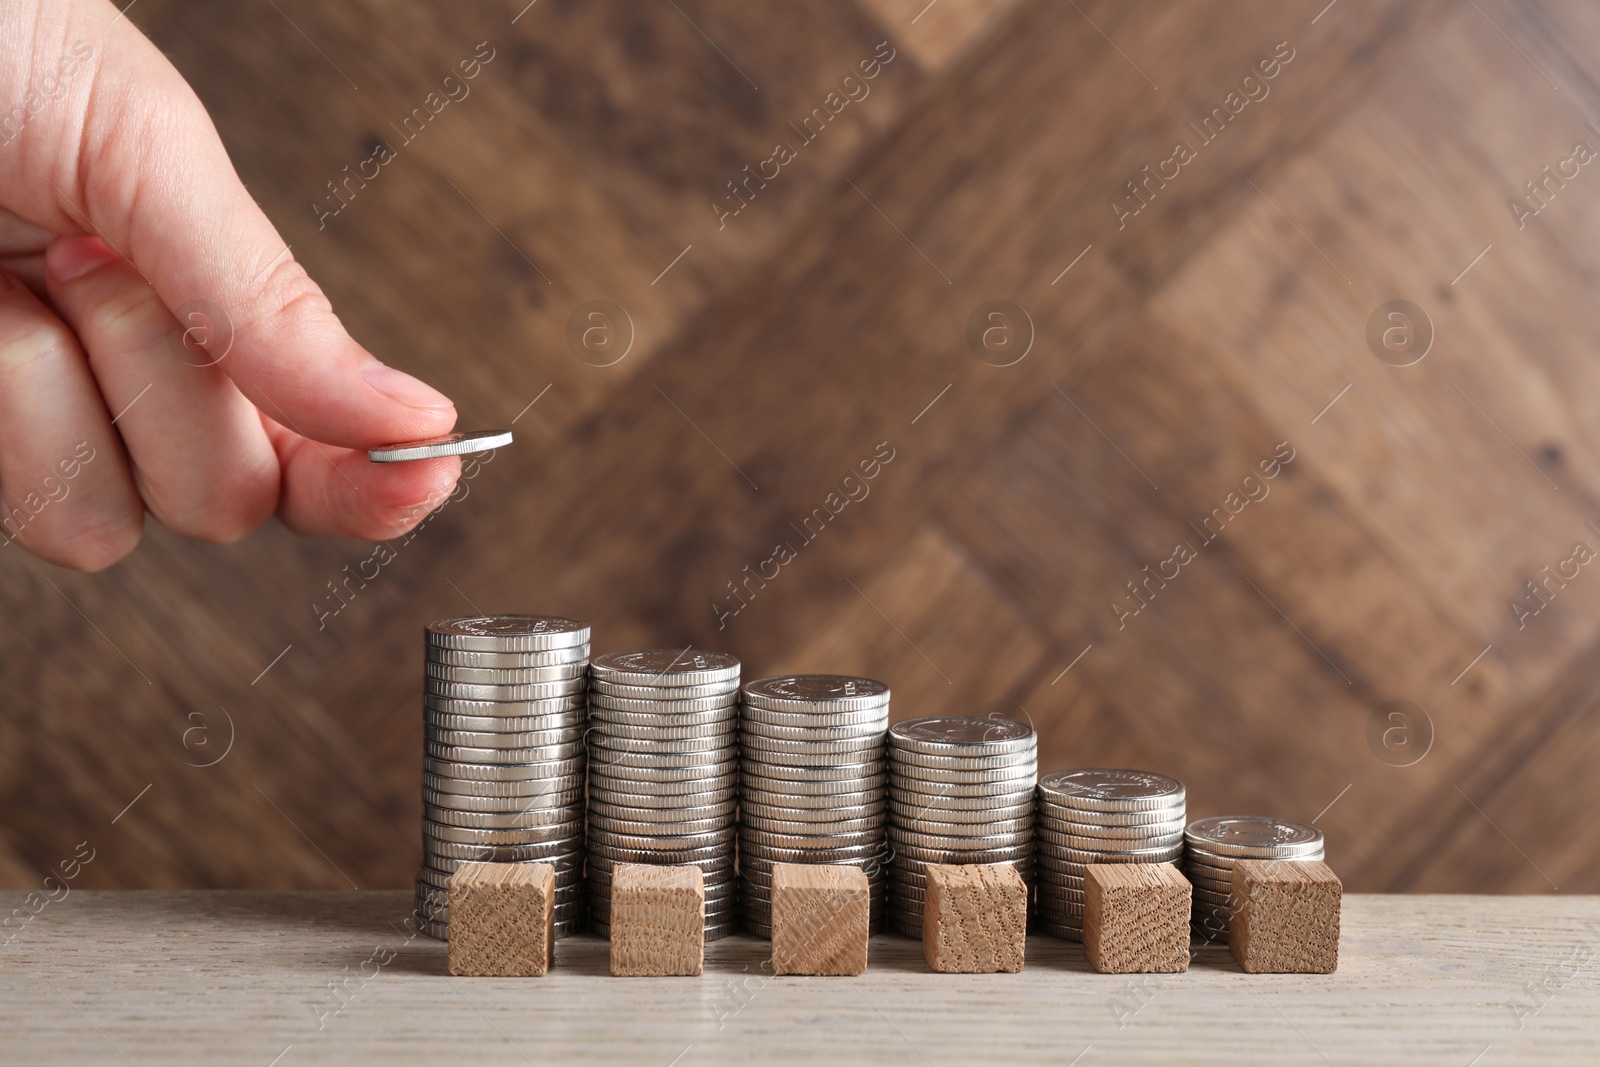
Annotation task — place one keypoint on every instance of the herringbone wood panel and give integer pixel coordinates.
(824, 326)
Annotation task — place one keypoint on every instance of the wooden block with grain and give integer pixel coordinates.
(974, 918)
(502, 919)
(820, 917)
(1285, 916)
(1136, 918)
(658, 920)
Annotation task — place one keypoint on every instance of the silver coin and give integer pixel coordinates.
(627, 798)
(1016, 801)
(721, 693)
(666, 667)
(915, 776)
(921, 764)
(505, 675)
(753, 728)
(527, 835)
(720, 708)
(819, 761)
(853, 771)
(507, 633)
(774, 808)
(820, 838)
(450, 444)
(985, 794)
(619, 782)
(819, 787)
(569, 725)
(1083, 816)
(660, 842)
(501, 772)
(1106, 843)
(1255, 836)
(664, 813)
(599, 849)
(662, 773)
(1216, 871)
(817, 717)
(435, 687)
(434, 851)
(549, 853)
(722, 745)
(635, 724)
(902, 838)
(460, 802)
(555, 657)
(1087, 856)
(568, 710)
(496, 821)
(962, 736)
(573, 750)
(776, 749)
(1148, 832)
(684, 830)
(992, 828)
(565, 739)
(937, 811)
(796, 828)
(529, 788)
(797, 692)
(959, 856)
(757, 854)
(1111, 789)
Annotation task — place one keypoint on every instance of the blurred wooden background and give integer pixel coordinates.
(773, 352)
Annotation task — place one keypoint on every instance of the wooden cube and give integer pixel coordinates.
(658, 920)
(820, 917)
(1136, 918)
(502, 919)
(1285, 917)
(974, 918)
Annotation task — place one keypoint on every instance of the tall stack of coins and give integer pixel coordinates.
(502, 776)
(811, 784)
(1100, 815)
(1213, 846)
(961, 791)
(663, 772)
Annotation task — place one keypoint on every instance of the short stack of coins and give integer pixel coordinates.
(811, 783)
(664, 773)
(1100, 815)
(961, 792)
(1213, 846)
(503, 769)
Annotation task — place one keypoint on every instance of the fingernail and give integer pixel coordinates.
(73, 257)
(398, 385)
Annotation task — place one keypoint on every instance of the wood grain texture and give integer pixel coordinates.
(1285, 917)
(501, 919)
(658, 920)
(190, 716)
(974, 918)
(1136, 917)
(237, 978)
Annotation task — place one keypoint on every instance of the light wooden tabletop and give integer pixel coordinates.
(251, 978)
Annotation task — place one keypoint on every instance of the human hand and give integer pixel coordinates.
(105, 410)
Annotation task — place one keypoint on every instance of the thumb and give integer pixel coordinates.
(145, 169)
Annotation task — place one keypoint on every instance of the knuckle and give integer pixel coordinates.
(220, 512)
(130, 314)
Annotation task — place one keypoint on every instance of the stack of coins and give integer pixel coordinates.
(961, 791)
(1100, 815)
(663, 772)
(811, 783)
(503, 773)
(1213, 846)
